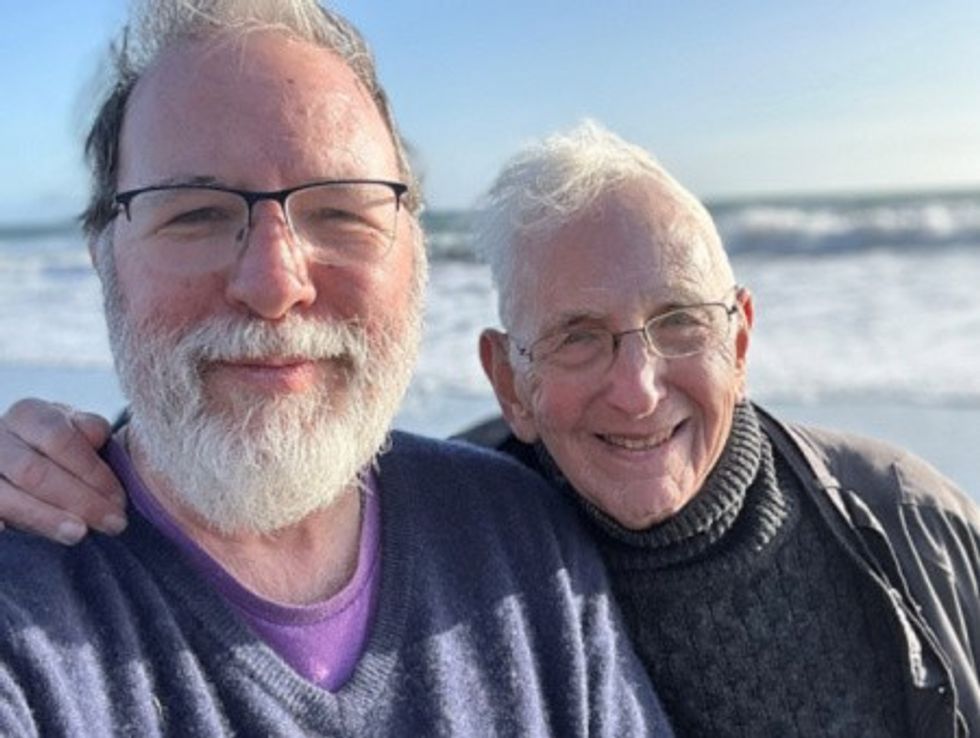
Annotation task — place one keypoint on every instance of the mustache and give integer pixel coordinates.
(235, 338)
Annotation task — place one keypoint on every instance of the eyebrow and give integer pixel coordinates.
(184, 179)
(571, 318)
(679, 296)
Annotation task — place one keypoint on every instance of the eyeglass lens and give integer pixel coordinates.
(682, 332)
(196, 228)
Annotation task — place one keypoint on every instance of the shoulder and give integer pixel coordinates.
(30, 563)
(21, 554)
(65, 587)
(482, 494)
(458, 463)
(496, 434)
(882, 473)
(42, 584)
(486, 555)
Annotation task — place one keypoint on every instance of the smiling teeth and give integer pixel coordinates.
(637, 444)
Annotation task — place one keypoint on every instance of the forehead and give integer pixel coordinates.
(259, 110)
(635, 250)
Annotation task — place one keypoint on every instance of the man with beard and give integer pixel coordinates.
(253, 221)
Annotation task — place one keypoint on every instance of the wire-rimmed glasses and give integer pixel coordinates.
(680, 332)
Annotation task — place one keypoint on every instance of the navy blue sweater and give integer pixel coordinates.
(494, 619)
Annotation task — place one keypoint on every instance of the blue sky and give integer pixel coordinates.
(736, 98)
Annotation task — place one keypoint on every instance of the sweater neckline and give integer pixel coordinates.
(741, 491)
(370, 680)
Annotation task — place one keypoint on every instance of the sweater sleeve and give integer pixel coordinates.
(16, 720)
(620, 698)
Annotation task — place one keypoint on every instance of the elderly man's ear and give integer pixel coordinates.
(495, 357)
(746, 316)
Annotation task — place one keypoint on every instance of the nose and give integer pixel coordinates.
(635, 379)
(271, 275)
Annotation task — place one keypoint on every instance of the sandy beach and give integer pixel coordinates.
(949, 438)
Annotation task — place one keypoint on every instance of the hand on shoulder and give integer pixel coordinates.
(52, 480)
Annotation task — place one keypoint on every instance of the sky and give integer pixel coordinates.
(737, 99)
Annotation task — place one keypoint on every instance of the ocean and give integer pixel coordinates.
(867, 317)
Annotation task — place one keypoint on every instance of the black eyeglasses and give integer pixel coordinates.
(198, 227)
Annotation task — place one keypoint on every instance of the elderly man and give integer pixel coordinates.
(253, 222)
(776, 580)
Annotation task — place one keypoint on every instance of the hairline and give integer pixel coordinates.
(130, 66)
(529, 244)
(556, 180)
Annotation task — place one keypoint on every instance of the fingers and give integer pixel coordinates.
(54, 482)
(29, 514)
(95, 428)
(69, 439)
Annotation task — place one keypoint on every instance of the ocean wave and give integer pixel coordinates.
(807, 227)
(814, 229)
(47, 256)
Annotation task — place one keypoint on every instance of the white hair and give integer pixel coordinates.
(553, 181)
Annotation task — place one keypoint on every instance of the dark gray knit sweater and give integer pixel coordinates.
(748, 617)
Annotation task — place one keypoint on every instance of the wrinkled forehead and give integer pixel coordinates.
(250, 101)
(632, 253)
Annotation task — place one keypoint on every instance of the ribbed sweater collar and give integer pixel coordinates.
(704, 520)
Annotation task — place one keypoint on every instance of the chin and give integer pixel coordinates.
(655, 507)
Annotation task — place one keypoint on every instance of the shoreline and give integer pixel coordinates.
(947, 437)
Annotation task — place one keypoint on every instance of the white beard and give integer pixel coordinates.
(258, 464)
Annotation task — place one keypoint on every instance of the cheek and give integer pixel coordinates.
(711, 383)
(374, 295)
(561, 415)
(713, 390)
(348, 295)
(559, 408)
(168, 300)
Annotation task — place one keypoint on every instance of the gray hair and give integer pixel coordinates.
(552, 182)
(157, 25)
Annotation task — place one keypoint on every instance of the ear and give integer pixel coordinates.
(101, 240)
(746, 315)
(495, 358)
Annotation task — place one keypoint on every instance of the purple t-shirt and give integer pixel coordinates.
(322, 642)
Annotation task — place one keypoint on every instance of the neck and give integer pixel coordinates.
(303, 563)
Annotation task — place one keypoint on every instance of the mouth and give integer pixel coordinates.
(273, 374)
(271, 362)
(636, 442)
